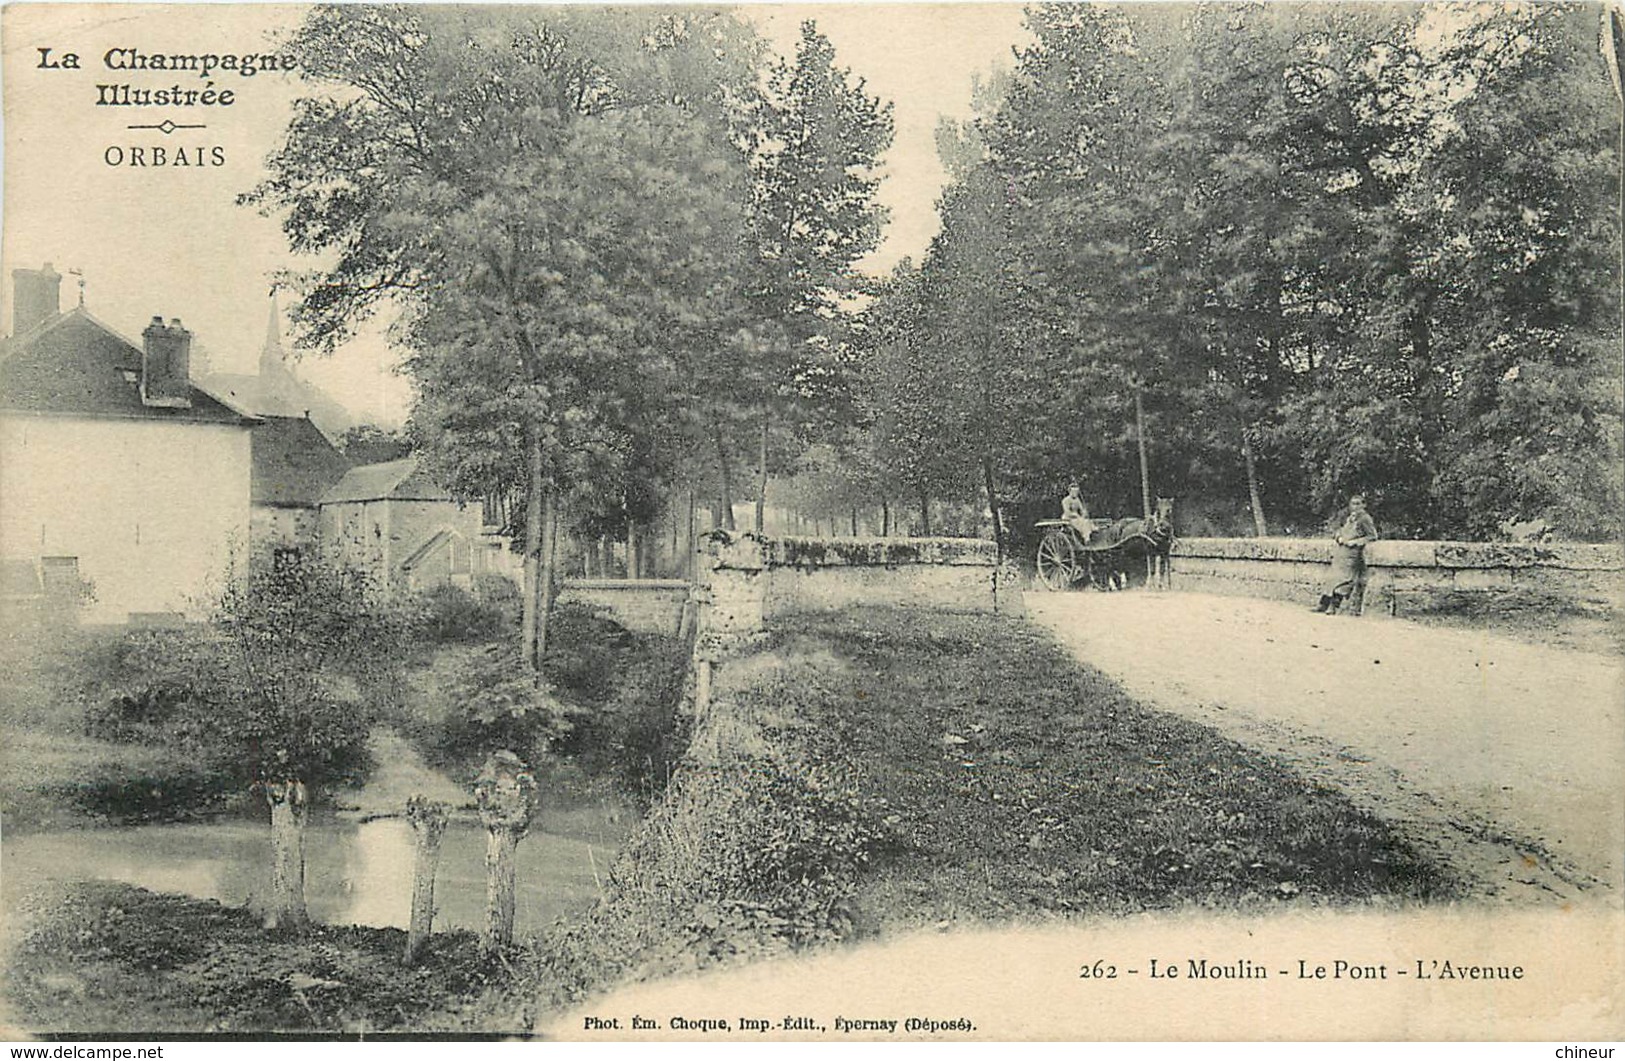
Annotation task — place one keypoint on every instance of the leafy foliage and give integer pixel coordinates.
(499, 705)
(1330, 249)
(449, 613)
(606, 713)
(281, 684)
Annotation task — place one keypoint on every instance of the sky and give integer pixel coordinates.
(171, 241)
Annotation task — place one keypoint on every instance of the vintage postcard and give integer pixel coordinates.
(862, 522)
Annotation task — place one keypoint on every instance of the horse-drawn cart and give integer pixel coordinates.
(1067, 557)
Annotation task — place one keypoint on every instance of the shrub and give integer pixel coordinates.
(497, 705)
(607, 706)
(585, 652)
(180, 791)
(633, 733)
(280, 684)
(503, 594)
(449, 614)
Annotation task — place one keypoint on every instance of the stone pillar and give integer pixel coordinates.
(505, 792)
(428, 820)
(737, 580)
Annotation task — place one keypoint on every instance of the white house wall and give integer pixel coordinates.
(157, 513)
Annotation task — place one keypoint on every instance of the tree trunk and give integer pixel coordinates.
(500, 845)
(289, 802)
(854, 521)
(993, 506)
(689, 556)
(925, 515)
(761, 486)
(726, 498)
(1260, 528)
(553, 546)
(544, 581)
(1145, 467)
(885, 519)
(533, 553)
(634, 561)
(505, 792)
(428, 821)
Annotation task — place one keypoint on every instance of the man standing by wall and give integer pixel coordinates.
(1348, 556)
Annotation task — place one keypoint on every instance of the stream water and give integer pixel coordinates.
(356, 873)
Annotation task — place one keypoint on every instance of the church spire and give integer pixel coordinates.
(271, 353)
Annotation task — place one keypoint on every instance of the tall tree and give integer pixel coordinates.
(815, 139)
(550, 200)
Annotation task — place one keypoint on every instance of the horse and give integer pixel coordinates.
(1153, 538)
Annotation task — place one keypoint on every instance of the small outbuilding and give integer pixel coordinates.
(396, 522)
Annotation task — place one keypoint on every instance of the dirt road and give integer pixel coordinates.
(1503, 759)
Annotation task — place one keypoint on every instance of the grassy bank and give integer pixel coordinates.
(57, 774)
(108, 957)
(90, 742)
(864, 775)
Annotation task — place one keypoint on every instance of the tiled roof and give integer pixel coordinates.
(74, 364)
(397, 480)
(294, 464)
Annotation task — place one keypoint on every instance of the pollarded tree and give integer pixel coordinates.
(277, 692)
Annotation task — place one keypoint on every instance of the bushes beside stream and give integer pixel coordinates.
(755, 848)
(107, 725)
(859, 775)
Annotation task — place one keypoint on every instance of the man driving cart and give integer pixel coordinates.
(1076, 513)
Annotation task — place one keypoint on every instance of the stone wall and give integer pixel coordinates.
(824, 574)
(643, 605)
(751, 580)
(1411, 577)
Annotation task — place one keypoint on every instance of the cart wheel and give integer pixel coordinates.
(1058, 565)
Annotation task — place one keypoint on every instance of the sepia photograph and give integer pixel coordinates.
(829, 523)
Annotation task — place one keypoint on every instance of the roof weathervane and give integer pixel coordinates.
(80, 273)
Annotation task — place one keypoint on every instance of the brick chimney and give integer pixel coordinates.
(36, 296)
(165, 365)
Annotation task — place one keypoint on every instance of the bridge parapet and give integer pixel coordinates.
(644, 605)
(753, 579)
(1410, 577)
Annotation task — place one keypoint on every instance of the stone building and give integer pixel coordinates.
(394, 521)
